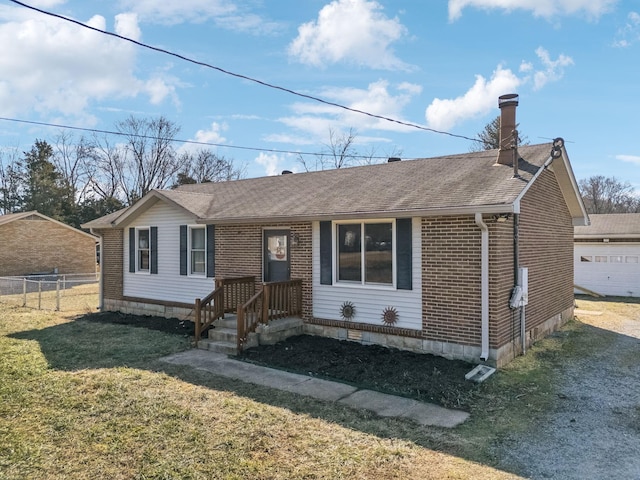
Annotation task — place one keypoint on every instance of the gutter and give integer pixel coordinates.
(484, 286)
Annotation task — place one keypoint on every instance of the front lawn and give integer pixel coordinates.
(81, 398)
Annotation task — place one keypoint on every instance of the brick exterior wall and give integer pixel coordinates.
(38, 245)
(546, 248)
(504, 324)
(451, 274)
(451, 303)
(239, 253)
(111, 263)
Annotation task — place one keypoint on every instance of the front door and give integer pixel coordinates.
(276, 256)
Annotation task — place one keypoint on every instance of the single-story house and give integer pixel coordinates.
(32, 243)
(607, 255)
(421, 254)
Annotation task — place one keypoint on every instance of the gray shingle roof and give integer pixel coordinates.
(610, 225)
(449, 184)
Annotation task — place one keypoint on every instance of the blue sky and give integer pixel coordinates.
(440, 65)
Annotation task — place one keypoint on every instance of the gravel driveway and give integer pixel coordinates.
(593, 430)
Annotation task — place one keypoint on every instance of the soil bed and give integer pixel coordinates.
(167, 325)
(421, 376)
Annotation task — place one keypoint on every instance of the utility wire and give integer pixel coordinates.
(237, 75)
(191, 142)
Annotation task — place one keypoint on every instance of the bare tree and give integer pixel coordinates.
(150, 160)
(339, 152)
(371, 156)
(608, 195)
(108, 159)
(205, 166)
(75, 162)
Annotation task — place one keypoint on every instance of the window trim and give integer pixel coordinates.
(363, 283)
(190, 250)
(138, 249)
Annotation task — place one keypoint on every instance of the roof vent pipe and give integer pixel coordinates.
(507, 133)
(393, 159)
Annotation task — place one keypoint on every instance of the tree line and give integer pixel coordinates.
(75, 180)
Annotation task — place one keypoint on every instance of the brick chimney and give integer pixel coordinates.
(507, 104)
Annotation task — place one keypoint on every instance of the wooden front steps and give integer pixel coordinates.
(223, 337)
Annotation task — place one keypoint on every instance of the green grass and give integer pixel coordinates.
(84, 400)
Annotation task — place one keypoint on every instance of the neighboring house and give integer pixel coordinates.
(32, 243)
(607, 255)
(426, 251)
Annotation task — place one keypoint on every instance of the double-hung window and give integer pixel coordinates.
(197, 250)
(143, 249)
(365, 252)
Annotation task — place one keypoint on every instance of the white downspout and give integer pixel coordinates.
(100, 293)
(484, 286)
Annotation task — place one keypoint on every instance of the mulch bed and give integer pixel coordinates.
(415, 375)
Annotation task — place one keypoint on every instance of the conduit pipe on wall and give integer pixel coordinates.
(484, 286)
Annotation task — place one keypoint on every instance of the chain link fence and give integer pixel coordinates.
(68, 292)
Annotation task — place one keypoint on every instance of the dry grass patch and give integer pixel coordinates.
(85, 399)
(80, 400)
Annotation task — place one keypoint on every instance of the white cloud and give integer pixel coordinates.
(629, 158)
(350, 31)
(480, 99)
(540, 8)
(167, 12)
(223, 13)
(271, 163)
(58, 68)
(553, 69)
(379, 98)
(213, 134)
(127, 26)
(630, 33)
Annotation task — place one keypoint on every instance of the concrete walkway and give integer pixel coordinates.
(380, 403)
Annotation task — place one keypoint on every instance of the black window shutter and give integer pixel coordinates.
(153, 247)
(403, 254)
(325, 253)
(132, 250)
(211, 250)
(183, 249)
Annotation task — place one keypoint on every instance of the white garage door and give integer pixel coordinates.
(609, 269)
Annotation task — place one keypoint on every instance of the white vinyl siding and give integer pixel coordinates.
(168, 284)
(613, 271)
(370, 300)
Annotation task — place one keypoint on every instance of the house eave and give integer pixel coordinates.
(145, 204)
(431, 212)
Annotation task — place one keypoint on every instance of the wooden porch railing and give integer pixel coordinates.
(275, 300)
(228, 293)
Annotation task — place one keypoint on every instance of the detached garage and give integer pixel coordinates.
(607, 255)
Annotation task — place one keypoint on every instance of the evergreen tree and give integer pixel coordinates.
(44, 187)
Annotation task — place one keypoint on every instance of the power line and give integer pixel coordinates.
(191, 142)
(238, 75)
